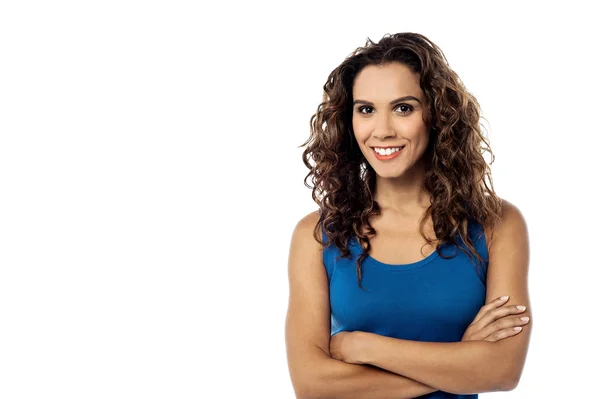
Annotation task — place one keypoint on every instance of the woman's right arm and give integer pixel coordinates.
(313, 372)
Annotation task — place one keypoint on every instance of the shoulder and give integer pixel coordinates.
(304, 231)
(512, 226)
(508, 249)
(511, 214)
(307, 223)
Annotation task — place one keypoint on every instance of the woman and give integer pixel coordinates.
(398, 282)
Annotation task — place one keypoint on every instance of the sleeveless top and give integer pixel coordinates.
(433, 299)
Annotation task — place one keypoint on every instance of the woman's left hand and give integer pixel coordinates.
(344, 346)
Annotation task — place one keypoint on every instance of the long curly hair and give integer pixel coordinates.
(455, 168)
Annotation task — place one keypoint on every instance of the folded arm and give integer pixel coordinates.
(473, 366)
(457, 367)
(317, 375)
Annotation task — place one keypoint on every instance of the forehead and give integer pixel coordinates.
(386, 82)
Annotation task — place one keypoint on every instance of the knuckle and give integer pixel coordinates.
(497, 313)
(503, 311)
(502, 324)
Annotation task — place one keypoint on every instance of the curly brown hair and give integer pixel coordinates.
(455, 171)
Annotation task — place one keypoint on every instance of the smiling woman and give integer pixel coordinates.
(396, 279)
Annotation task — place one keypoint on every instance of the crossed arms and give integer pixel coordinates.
(375, 366)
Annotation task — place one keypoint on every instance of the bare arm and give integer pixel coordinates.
(508, 272)
(457, 367)
(313, 372)
(463, 367)
(324, 377)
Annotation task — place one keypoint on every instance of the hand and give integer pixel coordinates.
(491, 323)
(344, 345)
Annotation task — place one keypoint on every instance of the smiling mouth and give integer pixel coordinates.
(387, 153)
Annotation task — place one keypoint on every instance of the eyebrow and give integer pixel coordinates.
(405, 98)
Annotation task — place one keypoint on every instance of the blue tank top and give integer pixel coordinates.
(433, 299)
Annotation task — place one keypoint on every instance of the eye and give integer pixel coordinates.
(361, 109)
(407, 108)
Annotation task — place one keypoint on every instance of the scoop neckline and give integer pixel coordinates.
(400, 266)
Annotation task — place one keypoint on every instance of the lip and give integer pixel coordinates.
(386, 157)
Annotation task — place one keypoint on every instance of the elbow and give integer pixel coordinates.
(311, 389)
(303, 391)
(496, 383)
(302, 388)
(311, 376)
(307, 395)
(511, 382)
(308, 392)
(503, 375)
(510, 379)
(508, 386)
(306, 386)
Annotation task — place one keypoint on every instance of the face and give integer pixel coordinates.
(388, 113)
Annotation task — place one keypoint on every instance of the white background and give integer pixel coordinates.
(151, 176)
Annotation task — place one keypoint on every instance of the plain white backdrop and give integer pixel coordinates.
(151, 177)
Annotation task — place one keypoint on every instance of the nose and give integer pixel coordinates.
(383, 134)
(384, 128)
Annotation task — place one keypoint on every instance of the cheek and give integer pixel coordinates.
(419, 135)
(361, 130)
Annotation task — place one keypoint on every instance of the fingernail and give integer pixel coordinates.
(525, 318)
(521, 307)
(518, 328)
(504, 298)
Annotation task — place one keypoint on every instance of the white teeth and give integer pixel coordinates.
(387, 151)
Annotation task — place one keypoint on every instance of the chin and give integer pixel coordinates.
(388, 174)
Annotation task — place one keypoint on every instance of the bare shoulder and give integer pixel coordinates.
(306, 225)
(305, 250)
(512, 221)
(511, 214)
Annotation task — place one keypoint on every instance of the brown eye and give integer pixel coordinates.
(406, 106)
(404, 109)
(361, 109)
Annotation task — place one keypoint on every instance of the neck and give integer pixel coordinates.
(404, 194)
